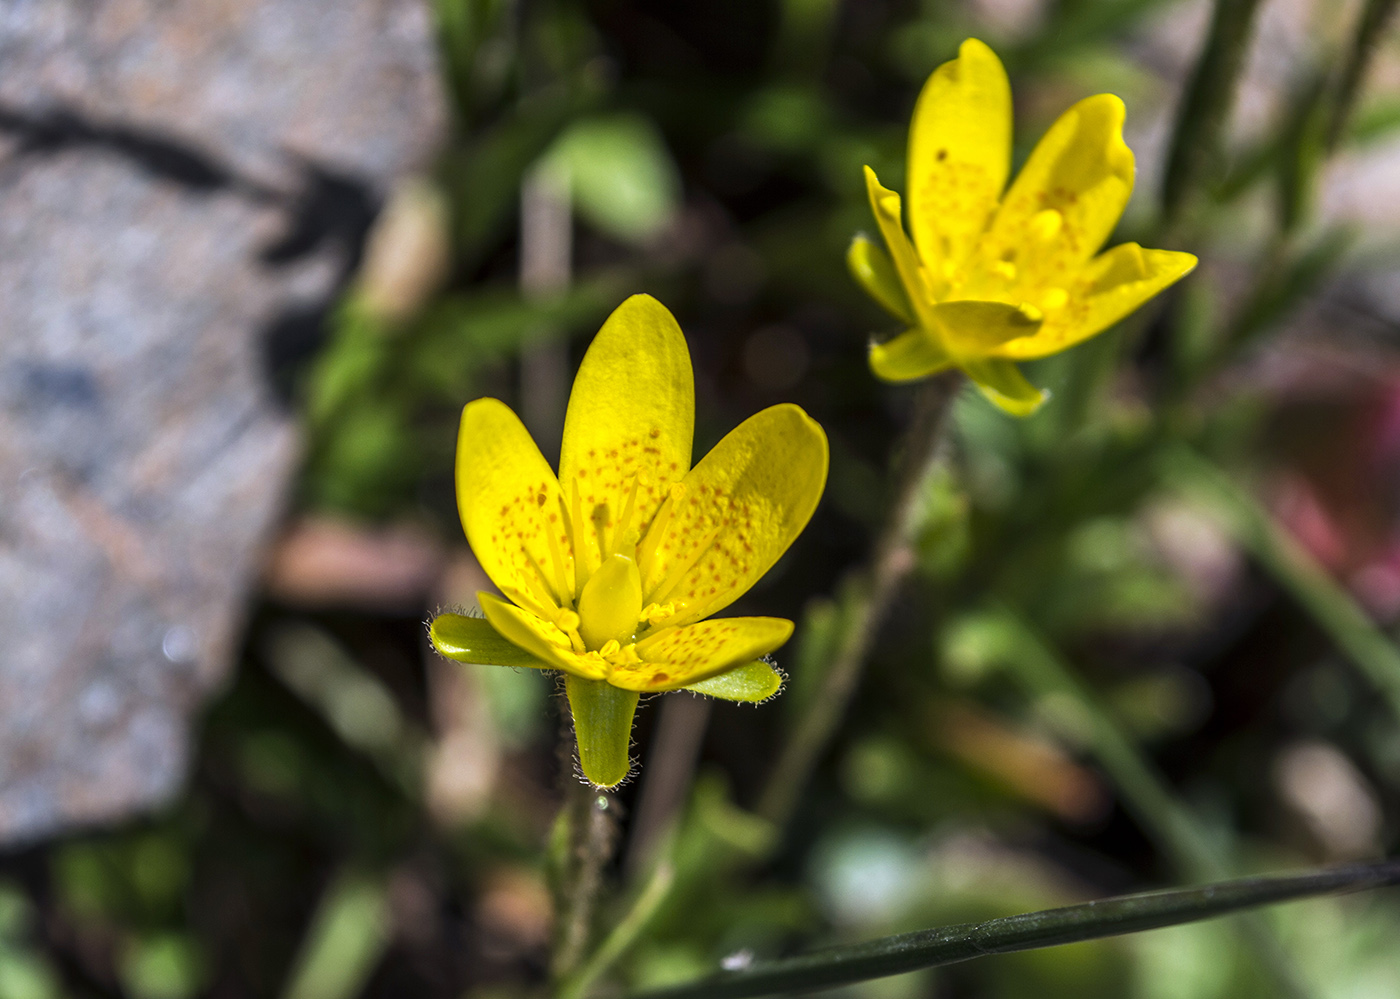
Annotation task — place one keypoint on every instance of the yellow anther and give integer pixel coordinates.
(658, 612)
(1045, 225)
(677, 491)
(1054, 298)
(626, 655)
(566, 619)
(1005, 268)
(610, 648)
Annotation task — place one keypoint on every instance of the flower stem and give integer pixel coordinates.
(591, 837)
(624, 934)
(871, 591)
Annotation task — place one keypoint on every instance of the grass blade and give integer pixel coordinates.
(1142, 789)
(1028, 931)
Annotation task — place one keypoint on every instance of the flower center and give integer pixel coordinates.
(610, 605)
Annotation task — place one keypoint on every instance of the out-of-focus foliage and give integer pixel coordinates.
(1098, 679)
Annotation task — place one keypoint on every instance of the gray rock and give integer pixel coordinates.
(174, 177)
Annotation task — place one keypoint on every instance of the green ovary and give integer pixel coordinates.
(611, 603)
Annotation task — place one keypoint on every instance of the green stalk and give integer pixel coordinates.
(1369, 28)
(1071, 924)
(586, 835)
(625, 933)
(1200, 119)
(868, 595)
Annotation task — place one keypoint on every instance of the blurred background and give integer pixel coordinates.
(254, 258)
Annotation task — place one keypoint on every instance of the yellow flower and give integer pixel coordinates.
(610, 569)
(993, 278)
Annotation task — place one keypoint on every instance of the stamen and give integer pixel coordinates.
(1045, 225)
(620, 538)
(527, 600)
(581, 552)
(574, 560)
(600, 527)
(557, 557)
(646, 548)
(678, 571)
(548, 583)
(567, 622)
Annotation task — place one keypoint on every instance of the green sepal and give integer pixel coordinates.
(752, 682)
(873, 269)
(1004, 385)
(473, 640)
(603, 726)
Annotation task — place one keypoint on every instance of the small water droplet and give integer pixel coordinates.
(737, 961)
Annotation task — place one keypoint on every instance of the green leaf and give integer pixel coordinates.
(621, 174)
(348, 935)
(603, 726)
(754, 682)
(1194, 153)
(473, 640)
(1088, 921)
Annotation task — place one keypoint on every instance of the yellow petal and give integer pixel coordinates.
(1111, 286)
(508, 499)
(1002, 382)
(885, 204)
(872, 267)
(974, 329)
(1061, 207)
(678, 657)
(959, 154)
(912, 355)
(735, 514)
(539, 637)
(751, 683)
(631, 421)
(473, 640)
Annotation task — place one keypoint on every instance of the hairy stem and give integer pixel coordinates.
(591, 835)
(624, 934)
(871, 592)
